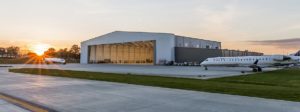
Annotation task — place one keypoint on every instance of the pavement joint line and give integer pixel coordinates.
(24, 104)
(6, 66)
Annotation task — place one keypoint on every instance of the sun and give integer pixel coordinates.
(39, 48)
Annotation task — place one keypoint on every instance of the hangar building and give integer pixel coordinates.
(121, 47)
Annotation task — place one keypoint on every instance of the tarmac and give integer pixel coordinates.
(169, 71)
(76, 95)
(6, 106)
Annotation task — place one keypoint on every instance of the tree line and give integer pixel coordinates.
(70, 54)
(73, 53)
(9, 52)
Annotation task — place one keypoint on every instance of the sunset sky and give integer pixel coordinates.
(269, 26)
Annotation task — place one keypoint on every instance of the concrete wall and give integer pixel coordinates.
(164, 47)
(183, 54)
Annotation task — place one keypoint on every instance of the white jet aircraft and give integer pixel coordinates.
(254, 62)
(55, 60)
(296, 58)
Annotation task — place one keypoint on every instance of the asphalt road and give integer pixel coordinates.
(75, 95)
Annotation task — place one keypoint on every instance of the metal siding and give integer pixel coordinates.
(84, 53)
(183, 54)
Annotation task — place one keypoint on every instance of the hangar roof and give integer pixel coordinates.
(126, 33)
(140, 34)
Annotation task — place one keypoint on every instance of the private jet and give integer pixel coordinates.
(55, 60)
(254, 62)
(296, 58)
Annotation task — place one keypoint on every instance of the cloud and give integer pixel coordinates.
(217, 19)
(292, 43)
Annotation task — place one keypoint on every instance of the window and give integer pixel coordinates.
(186, 44)
(207, 47)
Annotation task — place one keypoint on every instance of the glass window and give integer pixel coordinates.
(186, 44)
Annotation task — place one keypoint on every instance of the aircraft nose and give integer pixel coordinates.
(286, 58)
(203, 63)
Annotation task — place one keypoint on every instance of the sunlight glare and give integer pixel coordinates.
(39, 48)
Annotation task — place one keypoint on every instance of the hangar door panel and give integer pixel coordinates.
(141, 52)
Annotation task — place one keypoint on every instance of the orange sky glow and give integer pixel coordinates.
(268, 26)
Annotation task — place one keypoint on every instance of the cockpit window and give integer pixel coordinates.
(206, 60)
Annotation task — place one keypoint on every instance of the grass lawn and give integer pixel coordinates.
(281, 84)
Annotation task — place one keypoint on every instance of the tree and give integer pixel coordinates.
(32, 54)
(75, 52)
(16, 51)
(50, 52)
(2, 51)
(63, 53)
(13, 51)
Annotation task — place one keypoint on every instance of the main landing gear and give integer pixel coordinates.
(258, 69)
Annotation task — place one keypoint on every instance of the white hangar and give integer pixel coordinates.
(122, 47)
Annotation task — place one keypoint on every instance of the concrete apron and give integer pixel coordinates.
(25, 104)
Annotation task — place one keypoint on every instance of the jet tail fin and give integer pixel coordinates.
(298, 53)
(255, 63)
